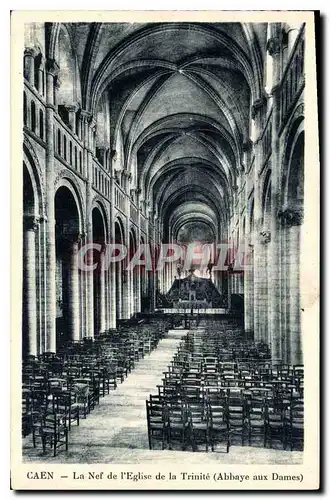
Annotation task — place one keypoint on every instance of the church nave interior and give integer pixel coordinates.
(163, 222)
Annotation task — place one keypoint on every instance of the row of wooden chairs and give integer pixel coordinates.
(256, 397)
(61, 388)
(222, 420)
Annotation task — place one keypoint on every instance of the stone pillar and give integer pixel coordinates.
(291, 219)
(248, 266)
(29, 279)
(274, 48)
(57, 85)
(29, 55)
(113, 290)
(155, 272)
(72, 110)
(88, 167)
(264, 332)
(257, 114)
(74, 293)
(41, 72)
(140, 269)
(51, 74)
(120, 278)
(125, 295)
(102, 290)
(294, 301)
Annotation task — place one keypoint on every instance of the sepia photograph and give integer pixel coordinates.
(166, 230)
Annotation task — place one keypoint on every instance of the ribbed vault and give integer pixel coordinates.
(174, 100)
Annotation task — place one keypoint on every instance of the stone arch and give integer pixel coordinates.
(68, 231)
(61, 50)
(295, 123)
(293, 162)
(99, 203)
(32, 164)
(66, 178)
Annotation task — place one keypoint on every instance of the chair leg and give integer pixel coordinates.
(66, 440)
(43, 444)
(55, 443)
(183, 439)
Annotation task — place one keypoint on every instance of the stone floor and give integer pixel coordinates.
(116, 431)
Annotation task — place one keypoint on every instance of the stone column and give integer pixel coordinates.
(57, 85)
(86, 138)
(248, 265)
(264, 333)
(74, 293)
(51, 75)
(274, 48)
(113, 290)
(102, 290)
(72, 110)
(31, 224)
(29, 55)
(120, 277)
(291, 219)
(41, 70)
(257, 114)
(140, 269)
(155, 272)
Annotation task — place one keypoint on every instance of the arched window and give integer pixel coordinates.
(59, 141)
(24, 109)
(70, 153)
(75, 157)
(80, 162)
(41, 124)
(64, 147)
(33, 116)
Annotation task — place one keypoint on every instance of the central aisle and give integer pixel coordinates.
(116, 430)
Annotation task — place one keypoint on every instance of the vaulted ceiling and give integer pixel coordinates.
(177, 97)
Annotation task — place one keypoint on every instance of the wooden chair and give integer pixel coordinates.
(66, 407)
(275, 424)
(53, 432)
(256, 419)
(295, 425)
(218, 422)
(157, 422)
(236, 415)
(199, 428)
(179, 425)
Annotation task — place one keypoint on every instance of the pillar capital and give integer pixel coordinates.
(88, 118)
(289, 217)
(30, 52)
(127, 174)
(274, 45)
(57, 83)
(52, 67)
(117, 175)
(258, 106)
(31, 222)
(72, 108)
(247, 146)
(265, 237)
